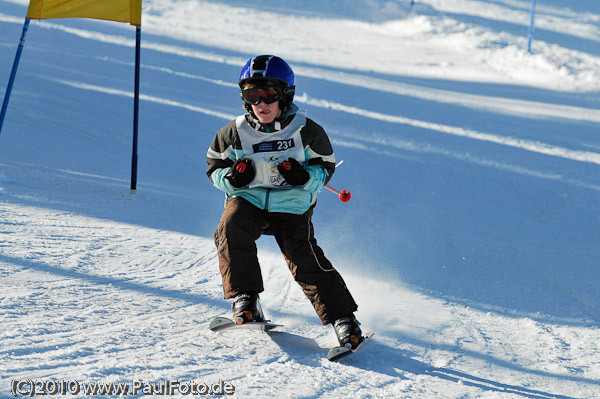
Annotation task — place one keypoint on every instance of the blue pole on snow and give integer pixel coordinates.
(530, 30)
(136, 106)
(13, 73)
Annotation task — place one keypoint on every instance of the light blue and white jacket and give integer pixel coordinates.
(267, 146)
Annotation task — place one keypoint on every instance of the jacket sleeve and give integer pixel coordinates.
(317, 178)
(221, 155)
(319, 155)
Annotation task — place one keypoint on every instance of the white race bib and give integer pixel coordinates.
(267, 150)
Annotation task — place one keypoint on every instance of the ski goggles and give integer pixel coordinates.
(268, 94)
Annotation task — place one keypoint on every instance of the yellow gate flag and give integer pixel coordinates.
(113, 10)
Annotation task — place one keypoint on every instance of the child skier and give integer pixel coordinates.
(270, 162)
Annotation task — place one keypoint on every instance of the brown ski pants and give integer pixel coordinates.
(242, 224)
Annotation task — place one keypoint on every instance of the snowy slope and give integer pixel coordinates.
(470, 243)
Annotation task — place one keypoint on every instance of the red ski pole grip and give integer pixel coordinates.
(286, 165)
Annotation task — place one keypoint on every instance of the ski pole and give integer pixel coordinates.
(344, 195)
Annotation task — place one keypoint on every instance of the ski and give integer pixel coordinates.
(340, 352)
(224, 323)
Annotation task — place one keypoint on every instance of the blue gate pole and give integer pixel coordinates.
(530, 30)
(136, 106)
(13, 73)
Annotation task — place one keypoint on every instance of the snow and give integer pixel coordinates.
(471, 242)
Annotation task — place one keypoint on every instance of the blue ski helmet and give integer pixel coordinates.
(270, 68)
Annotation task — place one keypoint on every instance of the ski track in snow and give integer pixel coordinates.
(100, 286)
(141, 300)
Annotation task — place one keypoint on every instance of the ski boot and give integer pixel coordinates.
(348, 332)
(246, 308)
